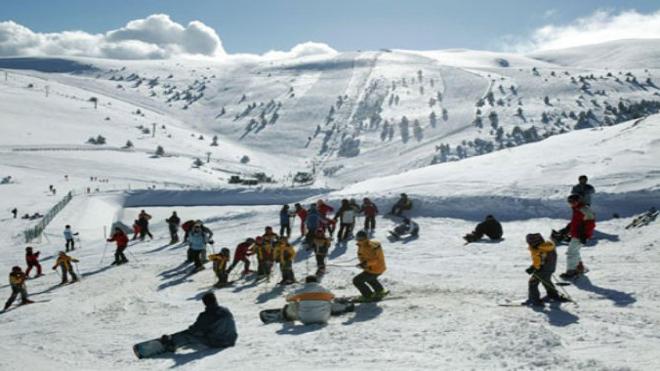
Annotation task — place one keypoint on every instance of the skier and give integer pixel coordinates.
(215, 327)
(264, 252)
(136, 229)
(65, 262)
(544, 262)
(489, 227)
(68, 236)
(324, 209)
(120, 238)
(173, 225)
(313, 304)
(370, 211)
(220, 267)
(187, 226)
(143, 222)
(346, 214)
(313, 222)
(241, 255)
(582, 228)
(14, 211)
(32, 260)
(320, 244)
(284, 254)
(403, 204)
(269, 236)
(285, 221)
(197, 242)
(372, 262)
(302, 214)
(17, 282)
(584, 190)
(406, 227)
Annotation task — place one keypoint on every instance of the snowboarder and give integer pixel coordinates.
(285, 221)
(311, 304)
(403, 204)
(173, 225)
(120, 238)
(14, 211)
(17, 282)
(584, 190)
(264, 253)
(406, 228)
(583, 223)
(284, 254)
(321, 245)
(544, 262)
(220, 267)
(302, 214)
(215, 327)
(346, 215)
(372, 262)
(68, 236)
(370, 210)
(489, 227)
(241, 255)
(143, 222)
(197, 242)
(32, 260)
(65, 262)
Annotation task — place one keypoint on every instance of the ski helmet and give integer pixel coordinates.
(534, 239)
(224, 251)
(16, 269)
(361, 236)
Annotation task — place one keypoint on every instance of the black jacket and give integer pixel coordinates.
(215, 327)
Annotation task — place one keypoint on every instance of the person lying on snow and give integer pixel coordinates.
(405, 228)
(313, 304)
(489, 227)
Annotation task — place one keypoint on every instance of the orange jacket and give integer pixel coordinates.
(371, 256)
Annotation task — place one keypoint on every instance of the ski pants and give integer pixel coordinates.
(197, 257)
(15, 291)
(145, 232)
(66, 271)
(29, 268)
(119, 255)
(321, 253)
(365, 279)
(573, 254)
(344, 229)
(70, 245)
(302, 226)
(174, 235)
(222, 277)
(263, 267)
(285, 228)
(369, 223)
(246, 264)
(286, 268)
(545, 278)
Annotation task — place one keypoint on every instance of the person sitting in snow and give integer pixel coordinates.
(489, 227)
(220, 267)
(32, 260)
(215, 327)
(406, 228)
(241, 255)
(65, 262)
(284, 254)
(17, 282)
(544, 262)
(313, 304)
(403, 204)
(120, 238)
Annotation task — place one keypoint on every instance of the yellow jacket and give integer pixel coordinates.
(219, 262)
(284, 252)
(263, 251)
(65, 261)
(17, 279)
(371, 256)
(539, 253)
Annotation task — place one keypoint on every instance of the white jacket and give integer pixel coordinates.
(313, 303)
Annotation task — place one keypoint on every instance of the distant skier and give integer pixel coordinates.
(215, 327)
(584, 190)
(407, 228)
(220, 267)
(17, 282)
(583, 223)
(544, 262)
(14, 211)
(285, 221)
(372, 261)
(120, 238)
(143, 222)
(283, 255)
(173, 225)
(70, 244)
(241, 255)
(489, 227)
(370, 210)
(403, 204)
(346, 215)
(65, 263)
(32, 260)
(302, 214)
(320, 244)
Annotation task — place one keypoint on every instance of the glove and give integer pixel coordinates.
(211, 242)
(530, 270)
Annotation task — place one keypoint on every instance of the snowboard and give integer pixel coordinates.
(271, 316)
(149, 348)
(359, 299)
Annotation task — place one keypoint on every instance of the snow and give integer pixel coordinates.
(636, 53)
(443, 312)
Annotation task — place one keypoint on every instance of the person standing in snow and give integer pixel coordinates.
(197, 242)
(584, 190)
(544, 262)
(370, 210)
(14, 211)
(489, 227)
(313, 222)
(321, 244)
(284, 254)
(302, 214)
(120, 238)
(173, 225)
(143, 222)
(372, 261)
(346, 215)
(136, 229)
(220, 267)
(65, 262)
(264, 253)
(241, 255)
(32, 260)
(285, 221)
(17, 282)
(583, 223)
(187, 227)
(70, 244)
(324, 209)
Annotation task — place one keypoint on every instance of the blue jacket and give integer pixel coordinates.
(215, 326)
(68, 234)
(284, 217)
(313, 220)
(197, 241)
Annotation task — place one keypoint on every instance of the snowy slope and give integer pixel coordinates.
(633, 53)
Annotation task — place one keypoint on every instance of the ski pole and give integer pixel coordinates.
(551, 284)
(564, 291)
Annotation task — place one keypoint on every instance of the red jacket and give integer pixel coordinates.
(369, 209)
(324, 209)
(302, 214)
(583, 222)
(32, 259)
(242, 251)
(120, 238)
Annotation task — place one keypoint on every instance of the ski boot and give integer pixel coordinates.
(570, 274)
(533, 303)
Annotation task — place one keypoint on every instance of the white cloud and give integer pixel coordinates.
(302, 50)
(599, 27)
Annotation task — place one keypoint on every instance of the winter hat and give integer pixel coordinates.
(16, 269)
(361, 236)
(534, 239)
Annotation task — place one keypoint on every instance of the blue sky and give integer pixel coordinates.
(256, 26)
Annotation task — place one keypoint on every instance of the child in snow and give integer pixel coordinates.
(407, 227)
(370, 210)
(302, 214)
(264, 252)
(65, 262)
(285, 221)
(17, 282)
(583, 223)
(220, 266)
(143, 222)
(120, 238)
(544, 262)
(32, 260)
(241, 255)
(284, 254)
(197, 242)
(68, 236)
(136, 230)
(346, 216)
(313, 304)
(372, 261)
(321, 245)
